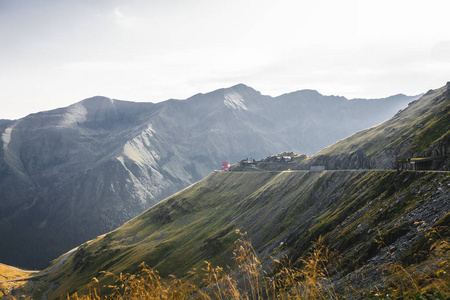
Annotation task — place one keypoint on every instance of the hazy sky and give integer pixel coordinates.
(55, 53)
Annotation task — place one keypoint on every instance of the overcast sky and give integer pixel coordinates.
(55, 53)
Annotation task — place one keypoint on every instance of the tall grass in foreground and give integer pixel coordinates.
(248, 280)
(311, 280)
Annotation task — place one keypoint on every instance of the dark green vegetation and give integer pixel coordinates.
(71, 174)
(369, 218)
(388, 228)
(372, 218)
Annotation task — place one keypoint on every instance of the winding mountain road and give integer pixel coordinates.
(56, 267)
(17, 269)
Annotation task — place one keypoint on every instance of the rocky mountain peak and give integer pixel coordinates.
(234, 100)
(97, 103)
(307, 95)
(239, 96)
(242, 88)
(89, 167)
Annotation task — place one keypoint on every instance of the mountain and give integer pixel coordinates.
(283, 213)
(70, 174)
(377, 220)
(420, 133)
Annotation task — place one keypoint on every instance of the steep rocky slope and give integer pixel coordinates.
(282, 213)
(73, 173)
(422, 130)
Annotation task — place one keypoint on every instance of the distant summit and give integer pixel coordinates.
(70, 174)
(303, 94)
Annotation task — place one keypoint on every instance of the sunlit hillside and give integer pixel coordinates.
(361, 232)
(283, 213)
(422, 130)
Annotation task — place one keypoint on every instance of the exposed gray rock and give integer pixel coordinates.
(70, 174)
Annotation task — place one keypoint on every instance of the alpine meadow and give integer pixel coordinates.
(365, 218)
(224, 150)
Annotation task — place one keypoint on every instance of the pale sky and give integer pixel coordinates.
(55, 53)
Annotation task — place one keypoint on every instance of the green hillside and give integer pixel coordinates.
(387, 230)
(70, 174)
(283, 213)
(420, 130)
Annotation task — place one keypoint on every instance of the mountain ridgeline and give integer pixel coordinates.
(422, 130)
(384, 224)
(70, 174)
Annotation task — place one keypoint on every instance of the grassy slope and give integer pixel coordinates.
(424, 121)
(351, 210)
(8, 272)
(198, 223)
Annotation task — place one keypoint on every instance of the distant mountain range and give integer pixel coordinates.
(70, 174)
(382, 226)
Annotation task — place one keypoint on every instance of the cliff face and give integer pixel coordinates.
(73, 173)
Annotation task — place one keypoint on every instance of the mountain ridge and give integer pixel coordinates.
(372, 218)
(282, 212)
(113, 159)
(432, 110)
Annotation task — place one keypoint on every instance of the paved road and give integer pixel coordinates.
(17, 269)
(56, 267)
(340, 170)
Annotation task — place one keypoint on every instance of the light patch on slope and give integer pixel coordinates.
(11, 155)
(139, 150)
(147, 134)
(137, 189)
(234, 101)
(75, 114)
(144, 187)
(120, 158)
(131, 152)
(6, 137)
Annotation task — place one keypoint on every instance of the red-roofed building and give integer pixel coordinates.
(226, 166)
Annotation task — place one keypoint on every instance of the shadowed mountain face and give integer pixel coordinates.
(73, 173)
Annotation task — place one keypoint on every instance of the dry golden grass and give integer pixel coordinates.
(7, 273)
(248, 280)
